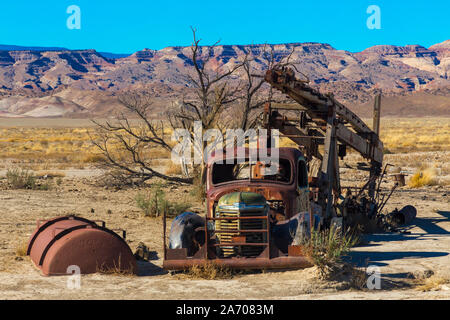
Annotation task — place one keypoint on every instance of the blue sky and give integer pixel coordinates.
(128, 26)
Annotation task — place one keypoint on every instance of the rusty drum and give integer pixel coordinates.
(59, 243)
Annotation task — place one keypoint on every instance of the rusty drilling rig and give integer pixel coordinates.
(255, 220)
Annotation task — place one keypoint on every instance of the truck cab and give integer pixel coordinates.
(286, 191)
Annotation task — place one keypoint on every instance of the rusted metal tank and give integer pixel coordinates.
(61, 242)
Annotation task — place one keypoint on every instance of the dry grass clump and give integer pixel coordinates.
(426, 177)
(430, 281)
(21, 250)
(116, 269)
(208, 271)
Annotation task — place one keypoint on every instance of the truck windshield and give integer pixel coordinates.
(246, 171)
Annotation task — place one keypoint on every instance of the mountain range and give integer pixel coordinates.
(58, 82)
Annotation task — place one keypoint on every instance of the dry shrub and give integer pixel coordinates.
(434, 282)
(426, 177)
(209, 271)
(198, 191)
(116, 269)
(21, 250)
(24, 179)
(155, 204)
(327, 247)
(20, 179)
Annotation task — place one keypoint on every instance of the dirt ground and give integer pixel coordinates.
(399, 255)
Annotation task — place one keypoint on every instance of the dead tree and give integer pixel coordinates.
(213, 94)
(126, 144)
(254, 91)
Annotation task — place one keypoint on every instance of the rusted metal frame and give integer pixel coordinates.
(340, 109)
(328, 162)
(377, 114)
(288, 106)
(292, 131)
(380, 179)
(375, 166)
(305, 95)
(304, 137)
(346, 114)
(387, 199)
(337, 180)
(360, 144)
(279, 123)
(317, 103)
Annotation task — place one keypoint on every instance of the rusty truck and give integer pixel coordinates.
(256, 220)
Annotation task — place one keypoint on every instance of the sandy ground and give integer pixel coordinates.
(398, 255)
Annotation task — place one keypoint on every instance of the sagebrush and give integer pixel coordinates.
(155, 204)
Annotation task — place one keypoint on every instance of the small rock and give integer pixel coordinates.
(428, 273)
(92, 210)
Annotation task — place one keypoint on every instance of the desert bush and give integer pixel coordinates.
(20, 179)
(154, 204)
(426, 177)
(21, 249)
(198, 191)
(116, 269)
(24, 179)
(327, 247)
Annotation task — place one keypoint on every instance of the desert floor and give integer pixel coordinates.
(398, 255)
(405, 259)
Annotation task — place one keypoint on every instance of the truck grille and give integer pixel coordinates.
(245, 224)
